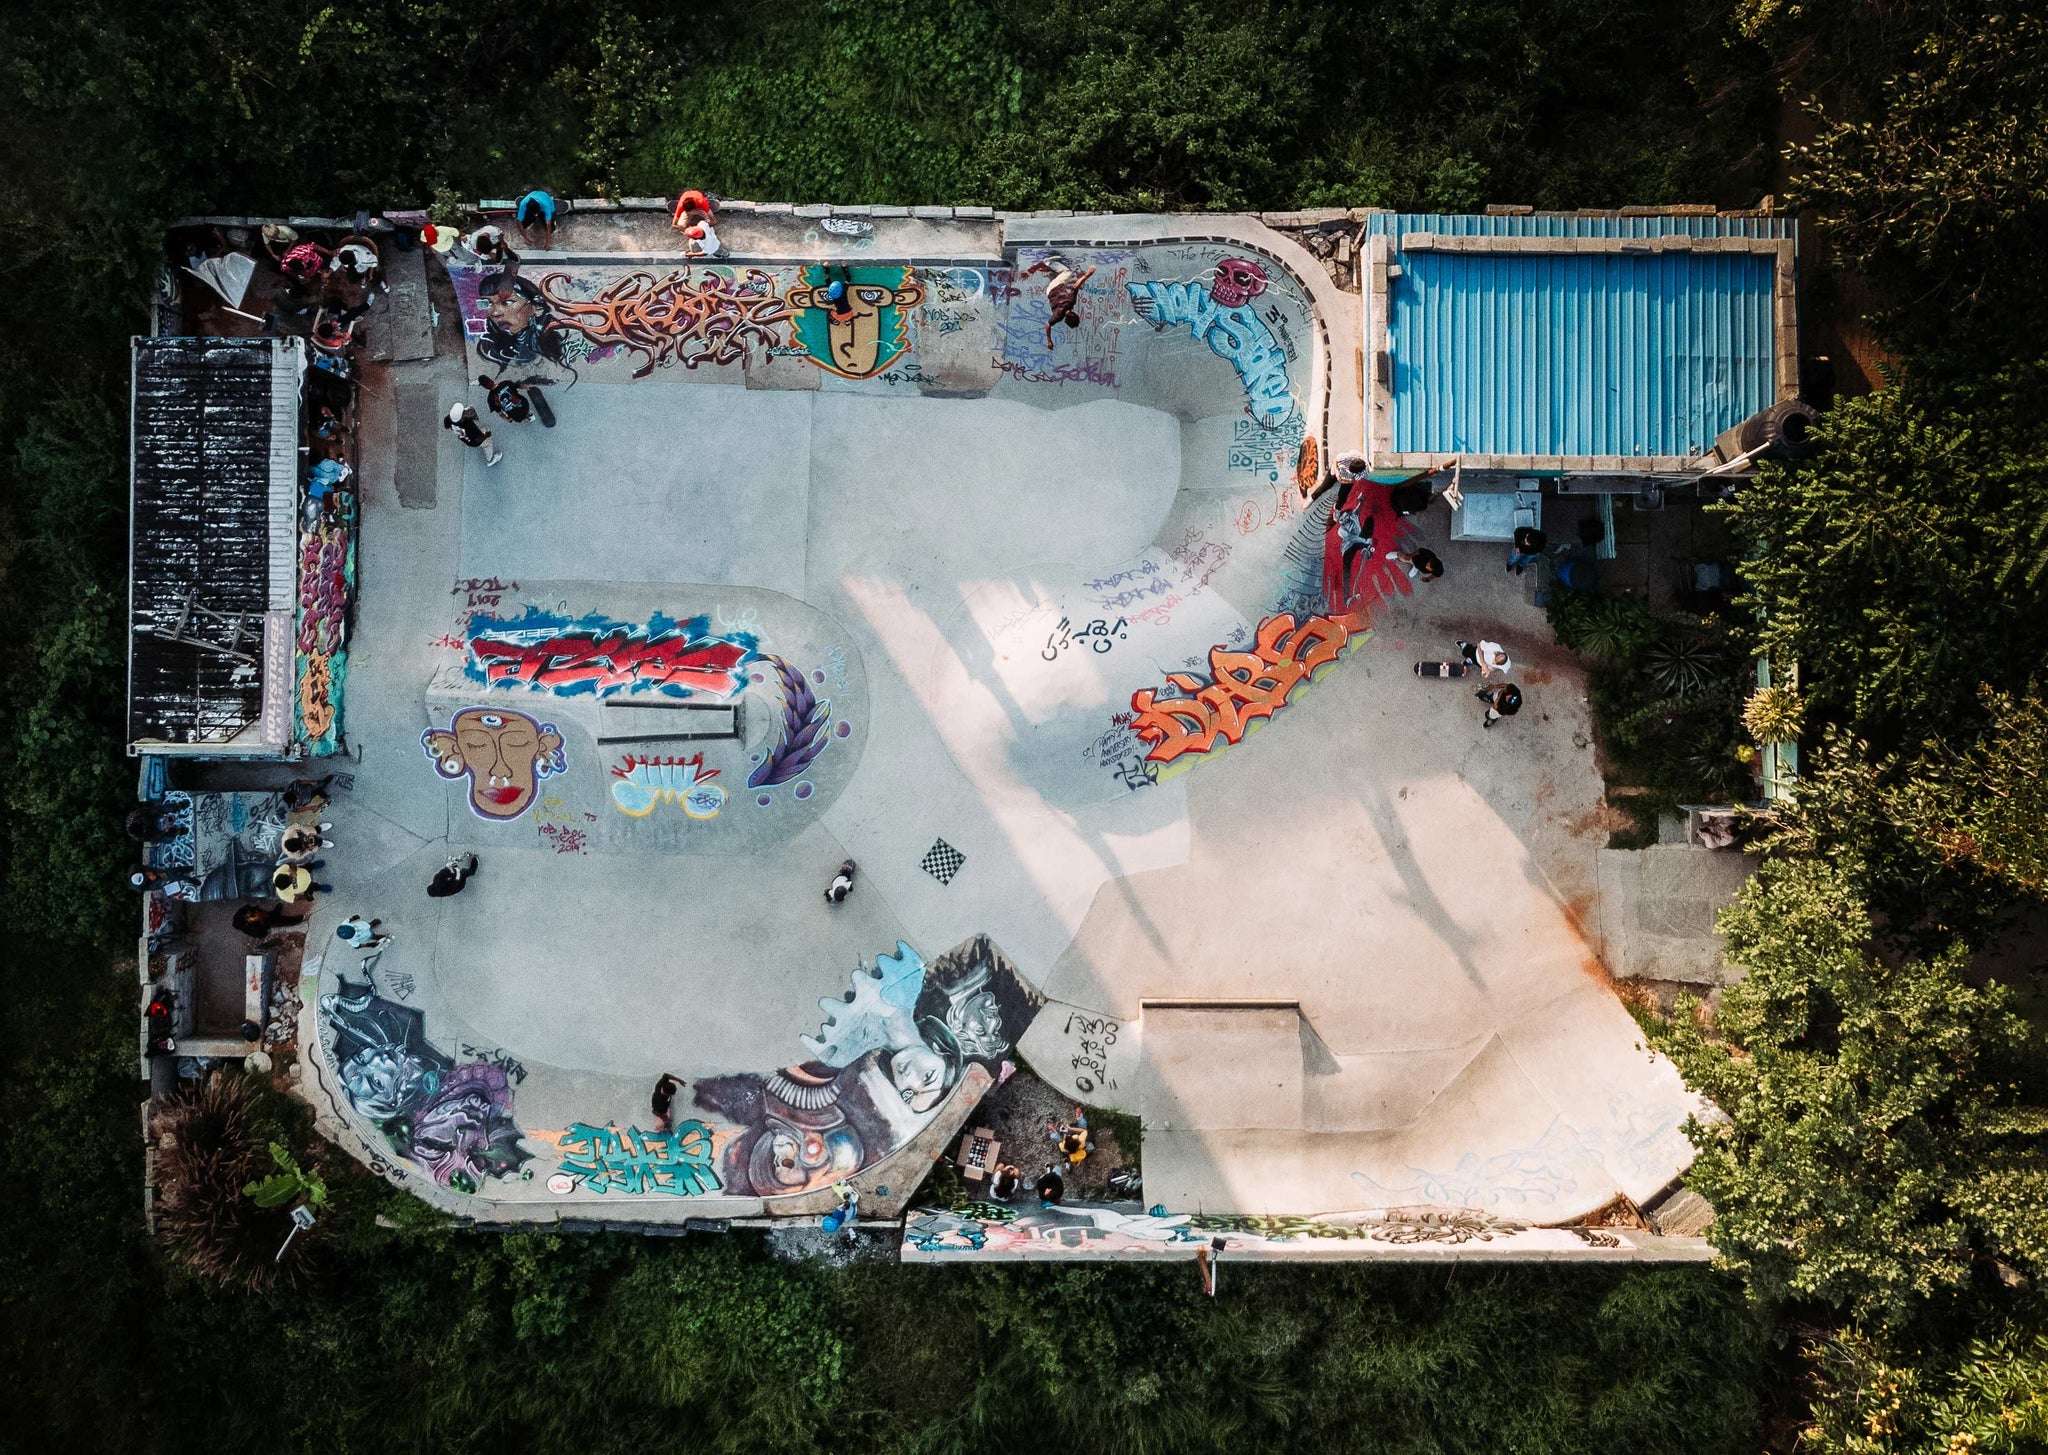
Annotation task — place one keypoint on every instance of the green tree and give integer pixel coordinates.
(1929, 168)
(1880, 1143)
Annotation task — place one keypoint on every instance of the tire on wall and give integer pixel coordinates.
(1782, 432)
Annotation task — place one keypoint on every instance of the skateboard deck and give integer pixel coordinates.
(541, 407)
(1442, 669)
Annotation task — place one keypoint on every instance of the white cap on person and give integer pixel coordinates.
(1350, 468)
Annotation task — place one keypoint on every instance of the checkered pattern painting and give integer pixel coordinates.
(942, 861)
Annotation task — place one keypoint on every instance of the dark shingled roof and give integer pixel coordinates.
(210, 417)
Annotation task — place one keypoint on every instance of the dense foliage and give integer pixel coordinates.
(1879, 1174)
(1665, 693)
(1879, 1150)
(1882, 1177)
(117, 116)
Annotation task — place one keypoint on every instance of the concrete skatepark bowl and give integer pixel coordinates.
(1037, 627)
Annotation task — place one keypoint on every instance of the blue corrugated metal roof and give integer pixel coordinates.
(1577, 354)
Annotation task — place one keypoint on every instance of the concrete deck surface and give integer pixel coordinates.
(1341, 965)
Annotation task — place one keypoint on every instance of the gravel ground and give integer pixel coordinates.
(1016, 1112)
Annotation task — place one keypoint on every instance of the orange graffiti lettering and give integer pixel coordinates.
(1246, 686)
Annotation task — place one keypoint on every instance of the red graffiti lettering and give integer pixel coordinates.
(1246, 686)
(582, 662)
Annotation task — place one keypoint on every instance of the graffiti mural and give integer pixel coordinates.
(1540, 1173)
(596, 656)
(885, 1059)
(1244, 687)
(226, 845)
(640, 784)
(1084, 354)
(1260, 448)
(682, 317)
(806, 718)
(1219, 312)
(454, 1122)
(561, 827)
(861, 333)
(605, 1159)
(504, 755)
(327, 573)
(998, 1229)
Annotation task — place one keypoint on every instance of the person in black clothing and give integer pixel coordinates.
(149, 822)
(1502, 701)
(305, 793)
(257, 921)
(1527, 549)
(1421, 564)
(506, 399)
(1052, 1188)
(452, 876)
(664, 1101)
(469, 429)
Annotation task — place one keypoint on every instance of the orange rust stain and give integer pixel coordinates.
(1602, 819)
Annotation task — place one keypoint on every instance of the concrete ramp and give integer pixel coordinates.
(1221, 1142)
(1211, 1068)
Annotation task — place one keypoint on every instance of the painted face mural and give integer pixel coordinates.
(518, 323)
(889, 1053)
(860, 333)
(453, 1122)
(503, 753)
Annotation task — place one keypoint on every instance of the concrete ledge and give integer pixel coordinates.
(1314, 217)
(940, 213)
(1676, 242)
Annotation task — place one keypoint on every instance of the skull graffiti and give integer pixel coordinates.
(1237, 283)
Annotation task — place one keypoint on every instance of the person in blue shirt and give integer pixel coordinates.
(537, 210)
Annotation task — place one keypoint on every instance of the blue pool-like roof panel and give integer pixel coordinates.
(1577, 354)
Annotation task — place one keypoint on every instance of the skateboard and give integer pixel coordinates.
(1442, 669)
(541, 407)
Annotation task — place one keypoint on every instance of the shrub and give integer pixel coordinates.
(211, 1149)
(1601, 626)
(1773, 714)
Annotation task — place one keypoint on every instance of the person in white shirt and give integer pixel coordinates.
(1488, 657)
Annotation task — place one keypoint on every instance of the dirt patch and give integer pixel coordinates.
(1537, 676)
(1017, 1112)
(1603, 818)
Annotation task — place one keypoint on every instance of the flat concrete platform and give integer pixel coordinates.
(730, 623)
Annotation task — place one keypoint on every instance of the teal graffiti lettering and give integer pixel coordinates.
(608, 1160)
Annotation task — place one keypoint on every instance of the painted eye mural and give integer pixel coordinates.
(889, 1053)
(504, 755)
(851, 320)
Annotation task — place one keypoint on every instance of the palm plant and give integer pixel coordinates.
(1683, 664)
(209, 1154)
(1773, 714)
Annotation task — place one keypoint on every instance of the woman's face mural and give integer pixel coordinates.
(503, 753)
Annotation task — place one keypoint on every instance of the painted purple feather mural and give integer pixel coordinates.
(804, 718)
